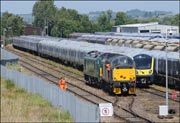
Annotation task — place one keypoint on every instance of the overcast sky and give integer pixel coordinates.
(25, 7)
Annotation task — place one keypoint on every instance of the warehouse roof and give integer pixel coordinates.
(137, 25)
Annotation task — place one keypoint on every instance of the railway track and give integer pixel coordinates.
(79, 90)
(79, 78)
(161, 94)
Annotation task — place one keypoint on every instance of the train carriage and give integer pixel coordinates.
(25, 43)
(160, 68)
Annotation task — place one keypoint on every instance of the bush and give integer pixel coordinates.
(9, 84)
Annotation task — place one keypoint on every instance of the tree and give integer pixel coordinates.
(153, 19)
(109, 15)
(67, 21)
(1, 26)
(121, 18)
(165, 20)
(68, 14)
(85, 24)
(104, 21)
(63, 28)
(132, 21)
(44, 14)
(13, 24)
(95, 27)
(176, 20)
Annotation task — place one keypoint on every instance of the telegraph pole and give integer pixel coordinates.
(4, 35)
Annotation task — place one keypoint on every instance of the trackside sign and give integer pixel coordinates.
(106, 109)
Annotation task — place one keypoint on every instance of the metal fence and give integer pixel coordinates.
(7, 57)
(80, 110)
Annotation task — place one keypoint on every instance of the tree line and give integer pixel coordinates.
(61, 22)
(11, 25)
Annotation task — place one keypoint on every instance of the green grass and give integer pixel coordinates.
(58, 65)
(75, 71)
(9, 84)
(19, 106)
(14, 66)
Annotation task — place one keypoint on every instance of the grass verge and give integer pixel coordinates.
(19, 106)
(14, 66)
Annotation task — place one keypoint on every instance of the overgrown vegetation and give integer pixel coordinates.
(60, 66)
(14, 66)
(9, 84)
(11, 25)
(19, 106)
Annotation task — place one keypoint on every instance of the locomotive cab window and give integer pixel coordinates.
(143, 63)
(123, 62)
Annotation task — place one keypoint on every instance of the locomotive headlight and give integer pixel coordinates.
(150, 71)
(176, 72)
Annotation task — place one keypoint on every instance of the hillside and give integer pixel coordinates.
(134, 13)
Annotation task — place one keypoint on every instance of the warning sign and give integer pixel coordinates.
(106, 109)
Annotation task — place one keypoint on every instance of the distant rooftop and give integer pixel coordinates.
(138, 24)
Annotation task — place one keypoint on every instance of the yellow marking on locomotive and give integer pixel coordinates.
(124, 74)
(132, 90)
(117, 90)
(100, 72)
(144, 72)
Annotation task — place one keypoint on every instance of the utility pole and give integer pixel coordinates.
(45, 30)
(4, 35)
(166, 71)
(166, 107)
(46, 27)
(167, 32)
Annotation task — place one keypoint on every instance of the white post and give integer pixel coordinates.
(164, 108)
(166, 72)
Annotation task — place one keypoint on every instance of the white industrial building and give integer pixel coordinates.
(145, 28)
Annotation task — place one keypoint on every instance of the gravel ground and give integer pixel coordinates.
(148, 105)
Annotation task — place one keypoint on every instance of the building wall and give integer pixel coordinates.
(129, 29)
(154, 28)
(114, 29)
(159, 28)
(31, 30)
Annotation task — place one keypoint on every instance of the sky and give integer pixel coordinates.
(25, 7)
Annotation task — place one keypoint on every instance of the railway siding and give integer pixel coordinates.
(122, 100)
